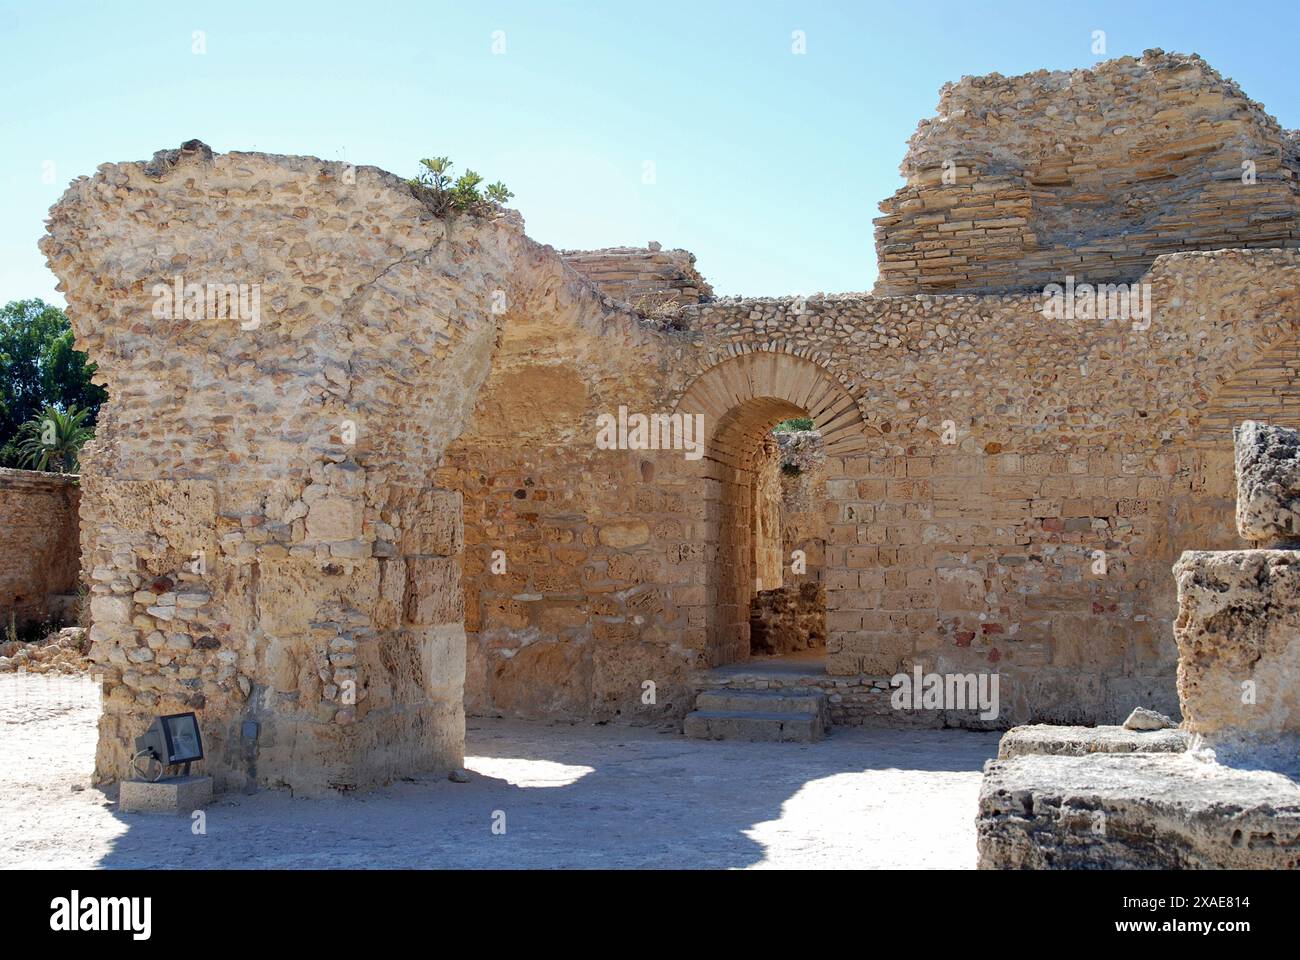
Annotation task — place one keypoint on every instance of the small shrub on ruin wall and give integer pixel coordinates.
(464, 194)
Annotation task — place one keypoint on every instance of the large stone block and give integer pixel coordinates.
(1268, 484)
(1044, 738)
(433, 591)
(1139, 811)
(1238, 634)
(433, 525)
(293, 594)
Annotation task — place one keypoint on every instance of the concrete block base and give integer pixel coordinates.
(174, 795)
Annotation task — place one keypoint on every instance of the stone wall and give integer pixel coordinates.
(770, 556)
(1238, 612)
(259, 527)
(1023, 181)
(1001, 491)
(39, 552)
(1219, 793)
(788, 619)
(649, 279)
(788, 611)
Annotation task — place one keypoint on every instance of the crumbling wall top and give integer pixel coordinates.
(1021, 181)
(649, 279)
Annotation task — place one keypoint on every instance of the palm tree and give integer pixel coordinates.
(53, 440)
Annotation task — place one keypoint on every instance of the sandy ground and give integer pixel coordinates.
(572, 796)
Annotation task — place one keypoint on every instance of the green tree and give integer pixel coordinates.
(39, 368)
(53, 440)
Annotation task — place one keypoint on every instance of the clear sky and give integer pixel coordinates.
(767, 164)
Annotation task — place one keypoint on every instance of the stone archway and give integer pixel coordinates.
(742, 398)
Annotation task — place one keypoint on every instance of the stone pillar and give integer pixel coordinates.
(1238, 626)
(1268, 484)
(265, 544)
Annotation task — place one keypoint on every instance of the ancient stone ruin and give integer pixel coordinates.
(353, 480)
(1220, 792)
(1094, 173)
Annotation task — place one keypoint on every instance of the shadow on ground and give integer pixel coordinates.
(582, 796)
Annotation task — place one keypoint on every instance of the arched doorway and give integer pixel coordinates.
(742, 398)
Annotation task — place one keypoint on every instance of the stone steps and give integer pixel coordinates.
(758, 715)
(762, 701)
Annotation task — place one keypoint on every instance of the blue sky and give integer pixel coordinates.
(768, 165)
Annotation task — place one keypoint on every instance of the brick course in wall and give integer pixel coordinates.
(1069, 438)
(1023, 181)
(648, 278)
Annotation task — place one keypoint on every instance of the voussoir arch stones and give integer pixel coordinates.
(746, 395)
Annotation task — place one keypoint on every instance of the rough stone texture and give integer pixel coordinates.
(39, 552)
(789, 619)
(1268, 484)
(650, 279)
(1233, 799)
(1238, 634)
(1139, 811)
(258, 522)
(1143, 719)
(1080, 741)
(1023, 181)
(997, 493)
(1071, 438)
(63, 652)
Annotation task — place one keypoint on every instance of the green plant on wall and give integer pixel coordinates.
(444, 195)
(794, 423)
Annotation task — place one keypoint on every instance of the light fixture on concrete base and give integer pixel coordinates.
(170, 741)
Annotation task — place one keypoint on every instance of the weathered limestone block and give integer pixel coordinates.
(649, 279)
(293, 594)
(1268, 484)
(1238, 634)
(433, 591)
(1046, 738)
(1140, 811)
(545, 678)
(620, 675)
(178, 796)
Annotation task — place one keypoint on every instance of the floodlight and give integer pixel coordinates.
(169, 741)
